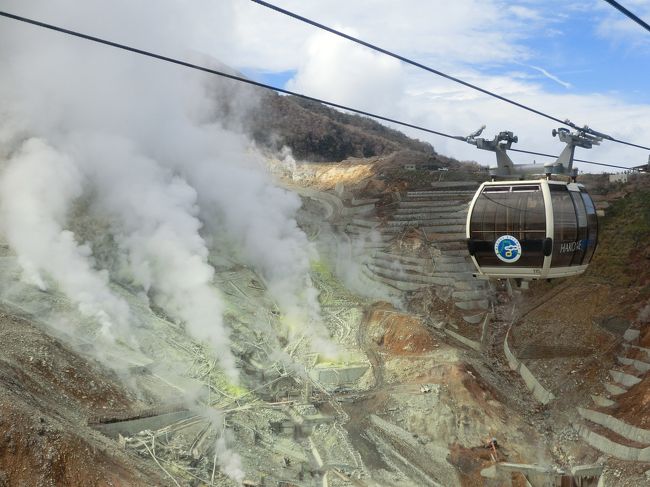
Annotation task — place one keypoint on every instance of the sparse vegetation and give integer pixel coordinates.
(318, 133)
(623, 253)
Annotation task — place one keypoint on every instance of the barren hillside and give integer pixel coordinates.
(424, 382)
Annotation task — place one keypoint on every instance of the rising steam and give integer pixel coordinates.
(37, 187)
(135, 146)
(138, 141)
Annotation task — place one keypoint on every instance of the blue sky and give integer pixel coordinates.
(273, 78)
(578, 54)
(581, 61)
(568, 46)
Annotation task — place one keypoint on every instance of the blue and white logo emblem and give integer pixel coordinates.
(507, 248)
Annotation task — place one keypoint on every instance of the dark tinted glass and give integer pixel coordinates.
(592, 226)
(509, 210)
(582, 239)
(565, 233)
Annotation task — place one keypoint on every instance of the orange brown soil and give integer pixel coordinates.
(482, 392)
(36, 451)
(645, 340)
(633, 407)
(399, 333)
(47, 393)
(470, 461)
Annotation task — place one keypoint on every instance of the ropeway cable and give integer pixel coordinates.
(255, 83)
(629, 14)
(440, 73)
(574, 159)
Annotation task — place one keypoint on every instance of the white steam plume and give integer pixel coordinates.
(260, 221)
(228, 460)
(155, 222)
(37, 187)
(140, 138)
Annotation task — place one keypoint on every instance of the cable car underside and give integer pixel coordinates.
(540, 227)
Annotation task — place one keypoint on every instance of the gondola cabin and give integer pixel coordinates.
(534, 229)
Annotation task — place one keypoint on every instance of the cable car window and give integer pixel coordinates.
(497, 189)
(581, 214)
(592, 225)
(565, 232)
(519, 213)
(535, 217)
(504, 208)
(486, 213)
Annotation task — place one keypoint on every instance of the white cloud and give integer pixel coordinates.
(334, 69)
(602, 112)
(525, 13)
(247, 35)
(455, 37)
(550, 76)
(618, 28)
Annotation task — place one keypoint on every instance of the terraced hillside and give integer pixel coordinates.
(414, 245)
(420, 244)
